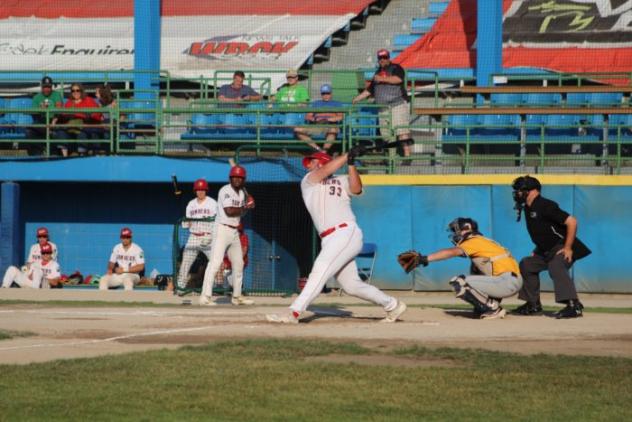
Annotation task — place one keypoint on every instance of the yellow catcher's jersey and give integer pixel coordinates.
(477, 247)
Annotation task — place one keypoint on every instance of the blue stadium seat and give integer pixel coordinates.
(422, 25)
(538, 99)
(506, 99)
(289, 122)
(236, 125)
(499, 127)
(365, 124)
(16, 125)
(620, 123)
(403, 41)
(19, 103)
(605, 98)
(576, 99)
(459, 123)
(205, 123)
(436, 8)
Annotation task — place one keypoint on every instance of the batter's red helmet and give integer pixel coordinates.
(42, 232)
(322, 157)
(46, 248)
(237, 171)
(126, 232)
(200, 184)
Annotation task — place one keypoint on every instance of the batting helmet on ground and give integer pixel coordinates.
(322, 157)
(237, 171)
(200, 184)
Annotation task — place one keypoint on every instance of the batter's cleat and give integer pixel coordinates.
(285, 318)
(572, 310)
(240, 300)
(498, 313)
(392, 316)
(528, 308)
(458, 284)
(207, 301)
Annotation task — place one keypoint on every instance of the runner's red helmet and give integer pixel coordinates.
(200, 184)
(237, 171)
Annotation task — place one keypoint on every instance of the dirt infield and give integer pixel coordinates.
(71, 331)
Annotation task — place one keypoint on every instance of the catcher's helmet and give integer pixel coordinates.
(237, 171)
(322, 157)
(460, 224)
(200, 184)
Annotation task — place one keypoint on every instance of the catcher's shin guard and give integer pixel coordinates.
(481, 302)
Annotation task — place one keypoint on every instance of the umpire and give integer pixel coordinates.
(553, 231)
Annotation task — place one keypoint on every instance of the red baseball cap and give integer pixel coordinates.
(46, 248)
(42, 231)
(126, 232)
(383, 53)
(322, 157)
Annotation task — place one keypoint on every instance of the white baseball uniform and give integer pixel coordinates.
(329, 204)
(37, 275)
(125, 259)
(36, 255)
(200, 237)
(226, 236)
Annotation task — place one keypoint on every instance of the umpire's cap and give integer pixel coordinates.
(47, 81)
(526, 183)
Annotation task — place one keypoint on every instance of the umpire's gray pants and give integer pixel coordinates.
(498, 287)
(558, 267)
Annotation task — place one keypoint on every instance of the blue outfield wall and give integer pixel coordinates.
(399, 218)
(85, 202)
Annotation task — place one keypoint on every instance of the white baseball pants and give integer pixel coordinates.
(500, 286)
(127, 280)
(194, 245)
(337, 259)
(22, 279)
(225, 241)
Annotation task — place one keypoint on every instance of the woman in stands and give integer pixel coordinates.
(75, 125)
(105, 99)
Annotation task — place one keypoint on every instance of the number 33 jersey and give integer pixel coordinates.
(328, 201)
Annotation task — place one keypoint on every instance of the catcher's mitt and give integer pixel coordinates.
(410, 260)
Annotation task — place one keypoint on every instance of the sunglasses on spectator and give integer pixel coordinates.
(292, 77)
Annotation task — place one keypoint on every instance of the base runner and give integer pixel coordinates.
(200, 237)
(328, 200)
(233, 203)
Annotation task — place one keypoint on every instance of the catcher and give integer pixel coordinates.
(495, 273)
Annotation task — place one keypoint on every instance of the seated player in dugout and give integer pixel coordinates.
(495, 273)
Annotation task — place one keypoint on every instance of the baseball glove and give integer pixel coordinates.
(410, 260)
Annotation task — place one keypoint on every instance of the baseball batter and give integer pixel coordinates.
(42, 239)
(328, 200)
(200, 237)
(233, 203)
(125, 265)
(42, 273)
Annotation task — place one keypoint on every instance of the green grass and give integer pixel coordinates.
(270, 380)
(5, 335)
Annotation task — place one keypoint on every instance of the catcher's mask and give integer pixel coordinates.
(521, 187)
(459, 225)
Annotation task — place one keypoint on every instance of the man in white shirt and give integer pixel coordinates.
(126, 263)
(233, 203)
(42, 273)
(42, 239)
(200, 232)
(328, 200)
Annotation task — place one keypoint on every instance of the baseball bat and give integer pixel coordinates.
(388, 145)
(174, 182)
(232, 162)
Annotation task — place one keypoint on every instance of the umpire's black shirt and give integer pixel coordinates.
(545, 223)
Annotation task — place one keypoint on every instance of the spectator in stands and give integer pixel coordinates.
(44, 273)
(47, 98)
(105, 99)
(42, 239)
(237, 92)
(126, 265)
(327, 118)
(291, 93)
(76, 122)
(389, 90)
